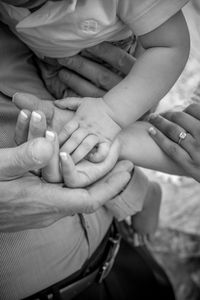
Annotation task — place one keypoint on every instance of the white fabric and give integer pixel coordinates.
(63, 28)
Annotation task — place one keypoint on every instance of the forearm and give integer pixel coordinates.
(154, 72)
(138, 147)
(150, 79)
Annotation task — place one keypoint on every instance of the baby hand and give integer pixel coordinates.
(86, 172)
(92, 126)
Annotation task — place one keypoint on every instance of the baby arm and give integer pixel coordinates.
(153, 74)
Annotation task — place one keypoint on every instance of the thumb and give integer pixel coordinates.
(71, 103)
(31, 102)
(15, 162)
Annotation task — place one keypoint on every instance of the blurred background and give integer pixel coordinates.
(176, 244)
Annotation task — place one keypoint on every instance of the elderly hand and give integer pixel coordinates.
(178, 135)
(28, 202)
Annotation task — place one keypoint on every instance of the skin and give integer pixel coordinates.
(166, 129)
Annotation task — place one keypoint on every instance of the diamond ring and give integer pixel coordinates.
(182, 136)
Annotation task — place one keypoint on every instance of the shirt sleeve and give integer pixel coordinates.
(17, 70)
(131, 200)
(143, 16)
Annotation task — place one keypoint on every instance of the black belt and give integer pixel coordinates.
(94, 270)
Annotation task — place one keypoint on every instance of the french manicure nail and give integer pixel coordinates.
(50, 135)
(63, 155)
(23, 115)
(36, 116)
(152, 131)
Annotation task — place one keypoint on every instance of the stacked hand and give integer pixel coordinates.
(178, 135)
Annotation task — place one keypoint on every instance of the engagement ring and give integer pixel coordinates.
(181, 137)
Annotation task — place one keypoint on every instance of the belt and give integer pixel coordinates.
(95, 270)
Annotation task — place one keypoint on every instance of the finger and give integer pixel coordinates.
(15, 162)
(69, 93)
(22, 126)
(86, 146)
(37, 125)
(96, 73)
(84, 88)
(193, 110)
(69, 172)
(172, 149)
(74, 140)
(67, 131)
(51, 172)
(71, 103)
(172, 131)
(101, 152)
(114, 56)
(88, 172)
(184, 120)
(31, 102)
(89, 200)
(108, 188)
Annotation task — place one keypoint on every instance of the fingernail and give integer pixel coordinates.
(50, 135)
(63, 155)
(17, 94)
(152, 131)
(36, 116)
(153, 116)
(23, 115)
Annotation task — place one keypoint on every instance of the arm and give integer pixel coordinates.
(185, 152)
(138, 147)
(27, 202)
(153, 73)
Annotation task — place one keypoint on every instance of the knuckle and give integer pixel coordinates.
(172, 150)
(86, 145)
(104, 79)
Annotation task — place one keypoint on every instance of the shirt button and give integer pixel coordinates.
(89, 26)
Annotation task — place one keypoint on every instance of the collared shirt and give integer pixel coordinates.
(64, 28)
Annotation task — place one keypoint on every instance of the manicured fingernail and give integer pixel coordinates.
(63, 155)
(152, 131)
(23, 115)
(50, 135)
(36, 117)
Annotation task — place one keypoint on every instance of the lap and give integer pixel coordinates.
(132, 277)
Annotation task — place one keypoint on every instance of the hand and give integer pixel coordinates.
(49, 70)
(30, 126)
(93, 78)
(166, 130)
(28, 202)
(56, 118)
(92, 125)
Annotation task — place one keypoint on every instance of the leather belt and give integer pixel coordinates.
(60, 291)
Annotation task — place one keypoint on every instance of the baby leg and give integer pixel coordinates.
(146, 221)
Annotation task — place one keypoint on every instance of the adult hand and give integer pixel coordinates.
(183, 150)
(61, 76)
(30, 126)
(56, 117)
(28, 202)
(93, 77)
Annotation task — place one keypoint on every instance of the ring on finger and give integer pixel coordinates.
(181, 137)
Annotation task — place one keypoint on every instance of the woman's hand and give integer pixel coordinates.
(178, 135)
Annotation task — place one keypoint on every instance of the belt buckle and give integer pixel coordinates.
(107, 265)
